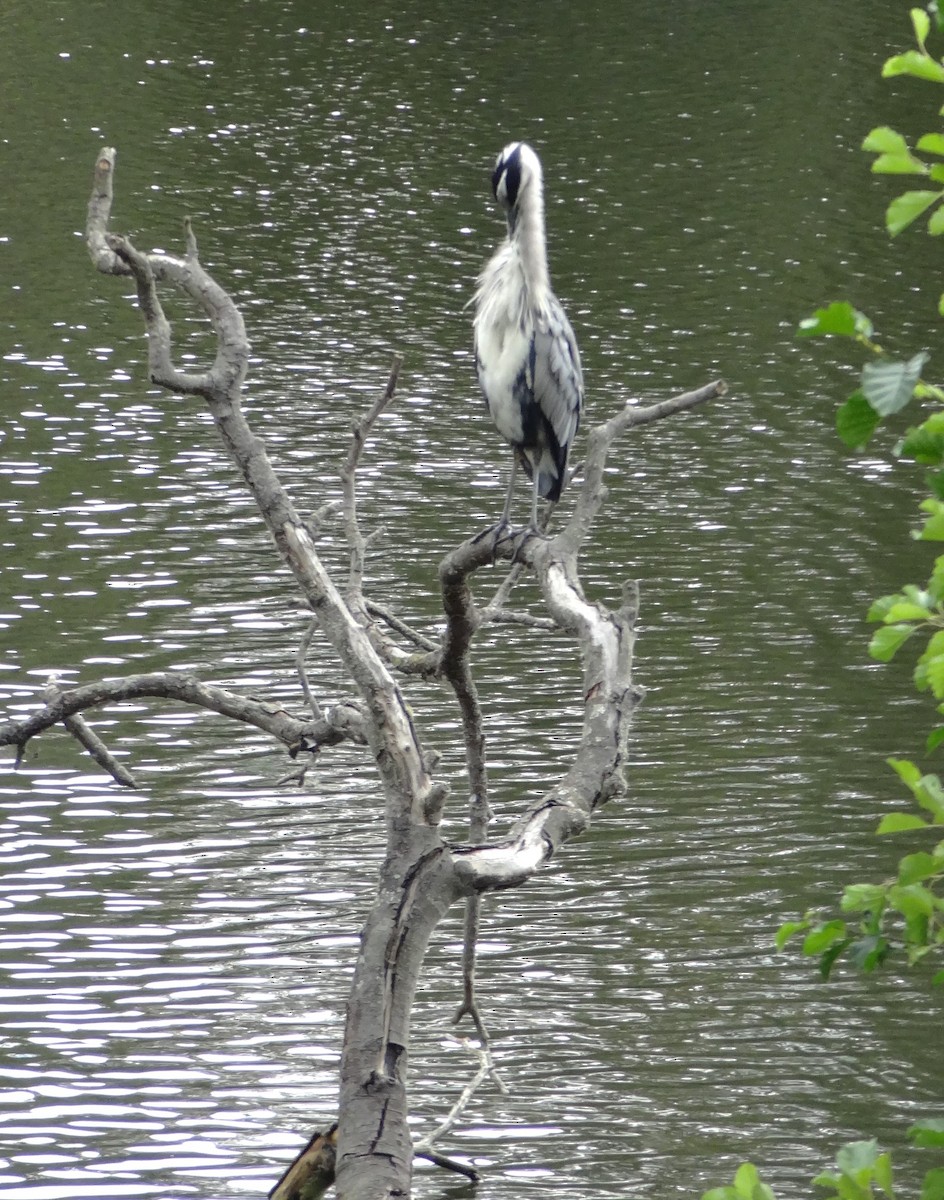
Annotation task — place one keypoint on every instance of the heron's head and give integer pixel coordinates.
(517, 172)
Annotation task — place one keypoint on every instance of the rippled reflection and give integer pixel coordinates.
(175, 960)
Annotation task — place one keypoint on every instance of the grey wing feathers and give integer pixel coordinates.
(558, 378)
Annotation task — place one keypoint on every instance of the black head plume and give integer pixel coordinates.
(506, 178)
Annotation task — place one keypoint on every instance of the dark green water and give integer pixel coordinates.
(174, 961)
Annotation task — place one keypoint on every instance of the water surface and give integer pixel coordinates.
(175, 960)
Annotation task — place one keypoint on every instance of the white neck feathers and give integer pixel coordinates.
(526, 232)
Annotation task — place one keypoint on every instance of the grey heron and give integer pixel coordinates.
(526, 355)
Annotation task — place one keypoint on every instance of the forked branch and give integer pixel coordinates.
(422, 876)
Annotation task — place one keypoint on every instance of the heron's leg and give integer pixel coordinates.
(511, 487)
(534, 503)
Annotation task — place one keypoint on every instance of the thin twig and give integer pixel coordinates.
(511, 616)
(359, 435)
(450, 1164)
(390, 618)
(485, 1070)
(303, 649)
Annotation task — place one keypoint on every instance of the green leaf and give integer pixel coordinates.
(931, 143)
(863, 897)
(721, 1193)
(787, 930)
(932, 1187)
(935, 173)
(913, 62)
(899, 164)
(906, 771)
(746, 1180)
(857, 1156)
(925, 442)
(907, 610)
(907, 208)
(828, 958)
(913, 900)
(929, 673)
(936, 579)
(838, 318)
(917, 595)
(930, 795)
(883, 1173)
(889, 385)
(884, 140)
(869, 952)
(928, 1132)
(922, 25)
(823, 936)
(936, 222)
(888, 640)
(881, 606)
(900, 822)
(856, 421)
(915, 867)
(933, 528)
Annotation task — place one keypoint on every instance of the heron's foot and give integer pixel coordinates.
(491, 531)
(519, 537)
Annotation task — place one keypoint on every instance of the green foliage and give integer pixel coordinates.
(747, 1185)
(904, 914)
(862, 1172)
(860, 1168)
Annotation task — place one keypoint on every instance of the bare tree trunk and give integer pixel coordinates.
(421, 876)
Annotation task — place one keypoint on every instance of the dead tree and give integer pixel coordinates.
(370, 1153)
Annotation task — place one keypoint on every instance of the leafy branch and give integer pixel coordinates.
(861, 1168)
(905, 913)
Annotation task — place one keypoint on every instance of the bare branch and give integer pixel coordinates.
(509, 616)
(421, 877)
(343, 722)
(420, 640)
(99, 210)
(486, 1069)
(592, 490)
(359, 435)
(595, 776)
(449, 1164)
(162, 371)
(302, 673)
(86, 737)
(394, 739)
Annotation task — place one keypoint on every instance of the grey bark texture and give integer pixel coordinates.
(422, 875)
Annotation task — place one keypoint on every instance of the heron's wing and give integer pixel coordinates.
(558, 378)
